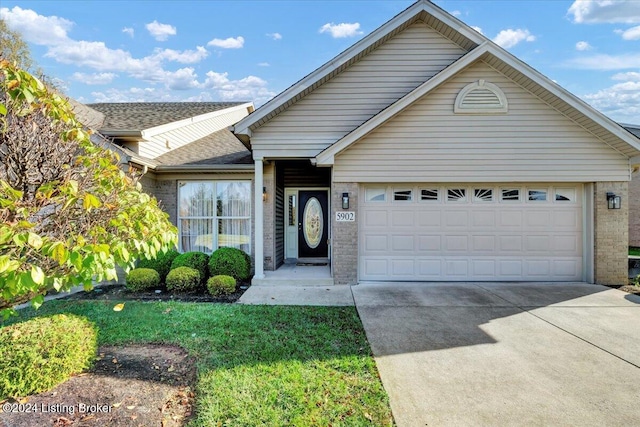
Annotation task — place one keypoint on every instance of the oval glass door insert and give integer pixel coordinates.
(312, 223)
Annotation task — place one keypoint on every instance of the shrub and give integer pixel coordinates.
(141, 279)
(230, 262)
(43, 352)
(183, 279)
(161, 264)
(196, 260)
(221, 285)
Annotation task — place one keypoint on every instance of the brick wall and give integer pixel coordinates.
(611, 234)
(634, 210)
(344, 235)
(269, 182)
(166, 191)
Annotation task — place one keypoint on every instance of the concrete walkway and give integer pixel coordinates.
(333, 295)
(505, 354)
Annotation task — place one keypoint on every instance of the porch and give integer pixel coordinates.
(292, 225)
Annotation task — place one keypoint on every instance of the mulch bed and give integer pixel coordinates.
(120, 293)
(135, 385)
(128, 386)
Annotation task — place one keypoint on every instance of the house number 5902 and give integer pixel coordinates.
(345, 216)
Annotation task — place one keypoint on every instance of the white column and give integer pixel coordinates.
(259, 220)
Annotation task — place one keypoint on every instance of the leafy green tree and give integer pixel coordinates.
(68, 213)
(14, 49)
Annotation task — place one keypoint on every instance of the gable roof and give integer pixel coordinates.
(217, 148)
(568, 104)
(138, 116)
(422, 10)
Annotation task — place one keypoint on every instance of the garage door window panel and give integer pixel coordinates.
(483, 195)
(402, 195)
(510, 195)
(565, 195)
(429, 195)
(457, 195)
(375, 195)
(537, 195)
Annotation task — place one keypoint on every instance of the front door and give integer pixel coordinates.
(313, 220)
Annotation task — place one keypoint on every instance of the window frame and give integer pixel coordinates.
(215, 218)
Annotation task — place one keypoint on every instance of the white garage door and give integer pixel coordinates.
(461, 232)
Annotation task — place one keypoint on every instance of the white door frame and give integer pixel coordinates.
(290, 238)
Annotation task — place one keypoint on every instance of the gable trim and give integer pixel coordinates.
(326, 157)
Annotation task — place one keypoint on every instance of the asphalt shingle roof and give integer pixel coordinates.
(634, 129)
(137, 116)
(218, 148)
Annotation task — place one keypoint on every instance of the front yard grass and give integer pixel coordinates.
(257, 365)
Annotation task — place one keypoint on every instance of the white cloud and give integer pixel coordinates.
(275, 36)
(338, 31)
(599, 11)
(478, 29)
(95, 78)
(456, 13)
(229, 43)
(621, 101)
(582, 45)
(38, 29)
(161, 32)
(133, 94)
(264, 64)
(632, 33)
(606, 62)
(184, 57)
(627, 77)
(128, 30)
(248, 88)
(509, 38)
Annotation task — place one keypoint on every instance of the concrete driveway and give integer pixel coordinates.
(505, 353)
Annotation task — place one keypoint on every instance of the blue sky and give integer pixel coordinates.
(124, 51)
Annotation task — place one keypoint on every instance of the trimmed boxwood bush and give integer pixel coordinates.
(196, 260)
(221, 285)
(230, 262)
(41, 353)
(183, 279)
(161, 264)
(141, 279)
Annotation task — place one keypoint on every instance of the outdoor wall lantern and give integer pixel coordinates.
(613, 201)
(264, 194)
(345, 200)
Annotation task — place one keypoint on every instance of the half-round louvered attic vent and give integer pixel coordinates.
(481, 97)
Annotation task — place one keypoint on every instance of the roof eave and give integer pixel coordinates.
(205, 168)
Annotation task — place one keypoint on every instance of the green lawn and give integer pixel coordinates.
(258, 365)
(634, 251)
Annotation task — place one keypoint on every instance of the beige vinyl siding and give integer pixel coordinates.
(156, 145)
(354, 96)
(428, 142)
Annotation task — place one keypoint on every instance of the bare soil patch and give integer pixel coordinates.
(136, 385)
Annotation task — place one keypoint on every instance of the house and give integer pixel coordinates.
(198, 170)
(634, 196)
(425, 152)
